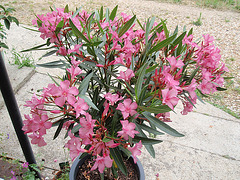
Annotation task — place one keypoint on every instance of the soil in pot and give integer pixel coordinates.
(84, 172)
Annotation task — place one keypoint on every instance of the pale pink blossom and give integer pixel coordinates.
(37, 139)
(80, 107)
(136, 150)
(170, 97)
(127, 75)
(127, 108)
(112, 98)
(101, 163)
(175, 63)
(127, 129)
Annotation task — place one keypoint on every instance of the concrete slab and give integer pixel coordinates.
(18, 77)
(174, 161)
(54, 149)
(210, 110)
(207, 133)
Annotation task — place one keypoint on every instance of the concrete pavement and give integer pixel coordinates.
(210, 148)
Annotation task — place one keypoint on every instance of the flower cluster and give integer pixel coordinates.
(120, 82)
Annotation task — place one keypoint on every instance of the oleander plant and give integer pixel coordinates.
(122, 78)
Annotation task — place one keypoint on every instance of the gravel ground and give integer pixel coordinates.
(223, 25)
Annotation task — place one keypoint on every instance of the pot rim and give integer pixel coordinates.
(77, 161)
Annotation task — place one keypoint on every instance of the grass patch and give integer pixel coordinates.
(227, 110)
(215, 4)
(199, 21)
(22, 59)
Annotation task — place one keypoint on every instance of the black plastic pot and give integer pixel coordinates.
(78, 162)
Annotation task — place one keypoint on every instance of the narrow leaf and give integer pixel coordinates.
(127, 26)
(116, 154)
(161, 125)
(156, 109)
(84, 84)
(77, 32)
(58, 130)
(145, 140)
(88, 101)
(139, 83)
(162, 44)
(113, 13)
(150, 129)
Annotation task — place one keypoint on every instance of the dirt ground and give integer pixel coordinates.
(223, 25)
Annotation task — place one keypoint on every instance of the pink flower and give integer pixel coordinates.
(74, 71)
(113, 98)
(25, 165)
(127, 75)
(205, 87)
(37, 139)
(65, 93)
(87, 128)
(136, 150)
(75, 49)
(170, 97)
(74, 145)
(127, 108)
(175, 63)
(80, 107)
(127, 129)
(101, 163)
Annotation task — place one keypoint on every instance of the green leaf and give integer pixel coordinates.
(77, 32)
(76, 13)
(34, 48)
(76, 128)
(152, 68)
(50, 53)
(165, 29)
(190, 32)
(149, 148)
(84, 84)
(221, 89)
(88, 101)
(162, 44)
(156, 109)
(101, 13)
(66, 9)
(7, 23)
(139, 83)
(178, 40)
(150, 129)
(117, 156)
(161, 125)
(3, 45)
(113, 13)
(15, 20)
(127, 26)
(193, 74)
(145, 140)
(149, 26)
(58, 130)
(54, 64)
(53, 80)
(106, 140)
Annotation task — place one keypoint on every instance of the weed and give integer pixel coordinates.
(199, 21)
(227, 20)
(224, 108)
(22, 59)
